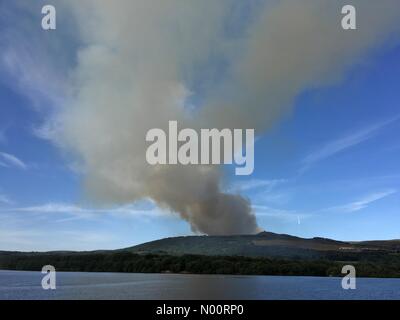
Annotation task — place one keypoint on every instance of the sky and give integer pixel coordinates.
(328, 167)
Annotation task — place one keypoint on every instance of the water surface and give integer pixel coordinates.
(82, 285)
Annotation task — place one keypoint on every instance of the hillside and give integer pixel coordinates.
(263, 254)
(264, 244)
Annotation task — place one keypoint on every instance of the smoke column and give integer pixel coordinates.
(137, 68)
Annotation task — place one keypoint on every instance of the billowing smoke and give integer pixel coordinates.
(142, 62)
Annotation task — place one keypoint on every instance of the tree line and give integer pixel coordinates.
(196, 264)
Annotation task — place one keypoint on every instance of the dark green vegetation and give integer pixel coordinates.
(262, 254)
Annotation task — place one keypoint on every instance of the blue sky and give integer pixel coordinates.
(329, 168)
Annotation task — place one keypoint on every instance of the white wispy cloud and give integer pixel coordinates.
(80, 212)
(9, 160)
(3, 137)
(45, 227)
(276, 198)
(29, 64)
(333, 147)
(251, 184)
(282, 214)
(362, 203)
(22, 239)
(4, 199)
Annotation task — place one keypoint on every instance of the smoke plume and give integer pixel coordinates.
(139, 66)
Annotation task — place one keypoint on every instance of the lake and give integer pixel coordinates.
(83, 285)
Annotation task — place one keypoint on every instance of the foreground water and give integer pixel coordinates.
(82, 285)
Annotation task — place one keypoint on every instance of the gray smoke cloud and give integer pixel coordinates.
(137, 67)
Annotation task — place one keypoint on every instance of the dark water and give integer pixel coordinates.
(81, 285)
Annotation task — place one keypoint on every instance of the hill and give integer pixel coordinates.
(264, 244)
(263, 254)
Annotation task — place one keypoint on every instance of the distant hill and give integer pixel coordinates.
(265, 253)
(264, 244)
